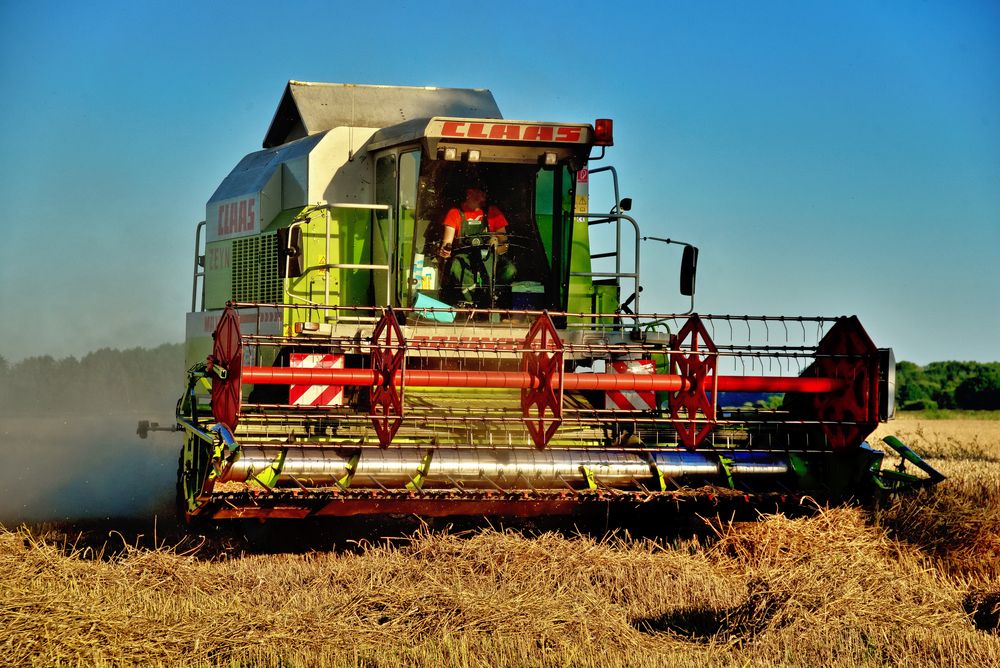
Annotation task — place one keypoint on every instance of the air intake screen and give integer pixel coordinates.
(255, 269)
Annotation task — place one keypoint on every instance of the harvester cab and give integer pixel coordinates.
(396, 308)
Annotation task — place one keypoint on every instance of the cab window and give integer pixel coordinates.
(530, 273)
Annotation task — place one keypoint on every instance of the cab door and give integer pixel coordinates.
(396, 176)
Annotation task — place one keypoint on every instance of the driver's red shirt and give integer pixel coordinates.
(494, 218)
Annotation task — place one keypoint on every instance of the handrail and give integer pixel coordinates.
(634, 275)
(618, 227)
(198, 274)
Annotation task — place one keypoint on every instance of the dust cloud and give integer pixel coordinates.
(85, 466)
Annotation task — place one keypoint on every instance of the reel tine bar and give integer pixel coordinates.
(388, 355)
(697, 365)
(541, 400)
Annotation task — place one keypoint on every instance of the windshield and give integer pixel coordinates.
(490, 235)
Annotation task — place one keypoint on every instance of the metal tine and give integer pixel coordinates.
(673, 482)
(490, 480)
(261, 482)
(640, 485)
(296, 481)
(527, 481)
(563, 480)
(459, 486)
(343, 488)
(375, 480)
(607, 488)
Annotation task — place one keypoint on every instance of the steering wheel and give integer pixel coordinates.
(488, 242)
(482, 251)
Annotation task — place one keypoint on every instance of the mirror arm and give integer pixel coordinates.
(689, 265)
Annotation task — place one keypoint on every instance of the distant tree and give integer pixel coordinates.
(912, 385)
(980, 392)
(938, 383)
(947, 376)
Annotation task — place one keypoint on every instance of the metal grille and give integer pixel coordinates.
(255, 269)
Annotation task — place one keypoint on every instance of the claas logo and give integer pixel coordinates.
(512, 131)
(236, 217)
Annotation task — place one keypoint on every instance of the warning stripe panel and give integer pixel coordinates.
(316, 395)
(631, 400)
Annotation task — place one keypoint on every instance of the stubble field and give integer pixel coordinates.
(915, 582)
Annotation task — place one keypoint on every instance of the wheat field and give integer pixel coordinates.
(914, 582)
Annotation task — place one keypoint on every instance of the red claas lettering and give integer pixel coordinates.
(568, 134)
(476, 131)
(538, 133)
(453, 129)
(236, 217)
(501, 131)
(511, 131)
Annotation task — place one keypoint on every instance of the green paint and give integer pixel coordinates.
(269, 476)
(352, 467)
(417, 481)
(726, 465)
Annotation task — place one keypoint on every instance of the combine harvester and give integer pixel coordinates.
(342, 364)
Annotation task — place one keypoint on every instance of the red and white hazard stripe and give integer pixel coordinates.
(316, 395)
(631, 400)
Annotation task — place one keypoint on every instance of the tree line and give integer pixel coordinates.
(102, 382)
(964, 385)
(151, 379)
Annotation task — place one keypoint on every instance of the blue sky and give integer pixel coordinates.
(828, 158)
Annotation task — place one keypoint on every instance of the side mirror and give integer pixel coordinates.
(886, 384)
(290, 252)
(625, 204)
(689, 269)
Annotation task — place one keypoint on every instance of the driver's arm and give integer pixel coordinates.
(446, 240)
(498, 228)
(451, 222)
(499, 240)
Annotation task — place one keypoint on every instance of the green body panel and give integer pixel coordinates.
(218, 273)
(350, 242)
(582, 295)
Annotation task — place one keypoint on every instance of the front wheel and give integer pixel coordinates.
(193, 467)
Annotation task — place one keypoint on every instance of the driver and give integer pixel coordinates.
(473, 250)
